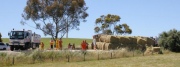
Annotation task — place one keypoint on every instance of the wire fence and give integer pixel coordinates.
(38, 56)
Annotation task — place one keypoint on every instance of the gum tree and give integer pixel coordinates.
(110, 25)
(55, 17)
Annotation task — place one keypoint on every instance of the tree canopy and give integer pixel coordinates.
(55, 16)
(170, 40)
(109, 25)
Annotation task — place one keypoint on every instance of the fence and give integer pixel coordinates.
(66, 56)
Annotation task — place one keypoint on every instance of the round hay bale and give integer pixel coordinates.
(103, 46)
(134, 40)
(141, 41)
(150, 42)
(102, 38)
(122, 39)
(111, 39)
(108, 46)
(100, 45)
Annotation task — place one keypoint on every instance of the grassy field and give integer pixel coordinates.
(165, 60)
(66, 41)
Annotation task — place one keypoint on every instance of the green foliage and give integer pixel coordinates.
(170, 40)
(0, 38)
(109, 25)
(55, 17)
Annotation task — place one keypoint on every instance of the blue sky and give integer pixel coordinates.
(145, 17)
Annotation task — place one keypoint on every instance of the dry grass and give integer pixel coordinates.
(166, 60)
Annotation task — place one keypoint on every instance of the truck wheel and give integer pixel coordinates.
(37, 45)
(22, 48)
(4, 48)
(16, 47)
(12, 48)
(26, 47)
(33, 46)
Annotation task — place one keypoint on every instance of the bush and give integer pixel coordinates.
(170, 40)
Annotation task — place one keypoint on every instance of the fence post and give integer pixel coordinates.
(13, 61)
(98, 55)
(133, 53)
(84, 55)
(111, 55)
(68, 57)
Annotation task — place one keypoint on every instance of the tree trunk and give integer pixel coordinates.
(67, 33)
(67, 30)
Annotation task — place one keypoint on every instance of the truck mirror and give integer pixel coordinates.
(8, 34)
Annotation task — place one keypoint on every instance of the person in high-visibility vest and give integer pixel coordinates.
(57, 44)
(60, 44)
(51, 43)
(83, 45)
(73, 46)
(42, 46)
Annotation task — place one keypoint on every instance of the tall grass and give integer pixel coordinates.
(39, 56)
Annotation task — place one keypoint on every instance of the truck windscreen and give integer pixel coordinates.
(17, 35)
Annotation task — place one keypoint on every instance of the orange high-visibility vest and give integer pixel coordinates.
(51, 42)
(83, 45)
(60, 44)
(42, 45)
(57, 44)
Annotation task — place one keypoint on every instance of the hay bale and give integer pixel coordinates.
(100, 45)
(123, 40)
(156, 49)
(111, 39)
(134, 40)
(102, 38)
(107, 46)
(141, 41)
(150, 41)
(152, 50)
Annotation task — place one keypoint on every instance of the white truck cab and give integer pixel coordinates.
(22, 39)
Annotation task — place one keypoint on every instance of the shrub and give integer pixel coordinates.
(170, 40)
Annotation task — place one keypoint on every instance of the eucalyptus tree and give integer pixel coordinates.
(109, 24)
(55, 17)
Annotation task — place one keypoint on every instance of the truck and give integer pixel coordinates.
(23, 39)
